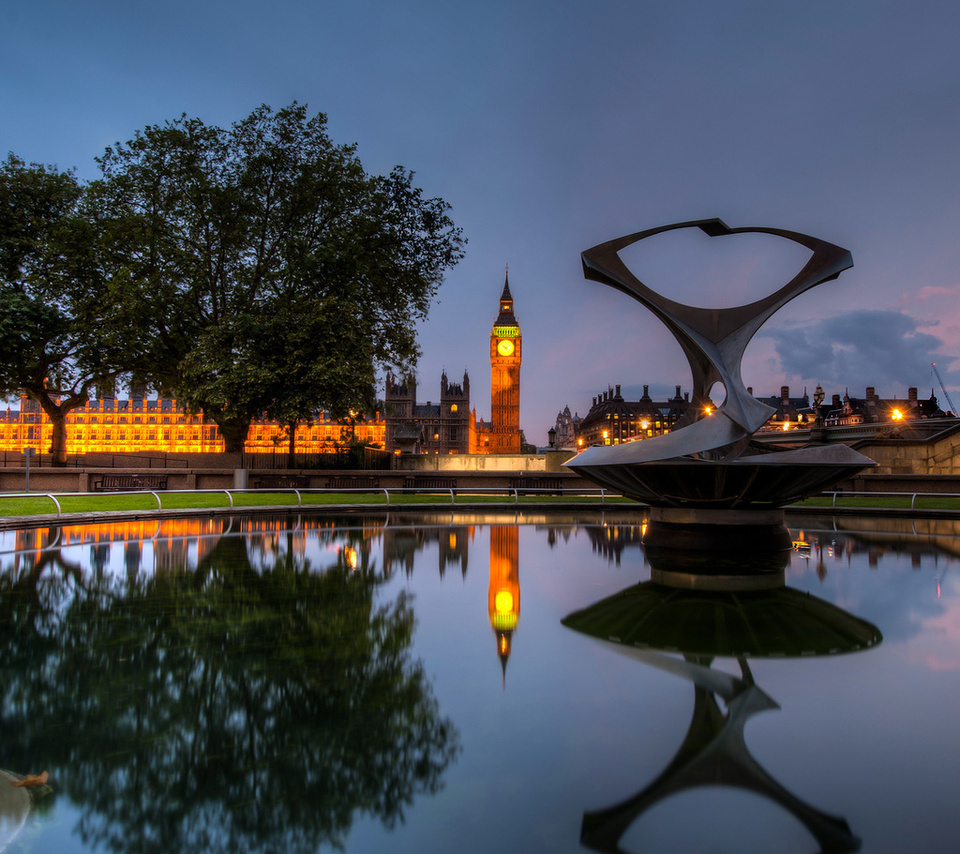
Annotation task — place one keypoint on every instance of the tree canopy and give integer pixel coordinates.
(259, 269)
(54, 339)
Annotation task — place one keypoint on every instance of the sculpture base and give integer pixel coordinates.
(695, 529)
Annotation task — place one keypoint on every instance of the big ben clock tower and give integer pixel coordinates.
(505, 377)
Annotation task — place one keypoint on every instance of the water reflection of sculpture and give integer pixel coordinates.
(228, 708)
(739, 609)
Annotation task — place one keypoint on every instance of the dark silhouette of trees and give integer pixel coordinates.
(227, 708)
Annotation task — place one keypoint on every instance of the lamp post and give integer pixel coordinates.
(552, 436)
(27, 453)
(819, 432)
(817, 402)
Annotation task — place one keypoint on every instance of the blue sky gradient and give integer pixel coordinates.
(552, 126)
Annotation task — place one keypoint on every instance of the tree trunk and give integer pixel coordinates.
(234, 431)
(292, 446)
(58, 442)
(57, 415)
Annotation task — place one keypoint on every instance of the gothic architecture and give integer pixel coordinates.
(451, 426)
(505, 355)
(447, 427)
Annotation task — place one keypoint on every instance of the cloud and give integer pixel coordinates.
(884, 349)
(931, 291)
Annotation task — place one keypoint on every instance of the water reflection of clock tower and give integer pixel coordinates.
(505, 354)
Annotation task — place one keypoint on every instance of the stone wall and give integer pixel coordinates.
(937, 456)
(453, 463)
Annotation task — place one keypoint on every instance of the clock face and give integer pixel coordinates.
(505, 347)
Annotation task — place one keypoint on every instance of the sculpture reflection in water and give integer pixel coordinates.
(709, 606)
(256, 702)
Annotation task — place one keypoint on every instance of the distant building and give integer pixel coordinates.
(451, 426)
(140, 425)
(872, 409)
(613, 420)
(428, 428)
(566, 426)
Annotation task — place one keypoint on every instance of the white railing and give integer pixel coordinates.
(508, 492)
(912, 495)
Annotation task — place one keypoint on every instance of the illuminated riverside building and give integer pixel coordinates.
(613, 420)
(506, 344)
(451, 426)
(138, 425)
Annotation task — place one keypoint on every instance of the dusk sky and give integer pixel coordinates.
(550, 127)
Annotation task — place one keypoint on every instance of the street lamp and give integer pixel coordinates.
(552, 436)
(817, 401)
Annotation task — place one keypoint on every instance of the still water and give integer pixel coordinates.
(406, 683)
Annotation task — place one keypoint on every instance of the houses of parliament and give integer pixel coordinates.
(405, 426)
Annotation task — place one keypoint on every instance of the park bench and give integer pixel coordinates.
(429, 481)
(129, 482)
(282, 481)
(541, 485)
(353, 482)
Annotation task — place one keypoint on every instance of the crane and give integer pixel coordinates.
(946, 394)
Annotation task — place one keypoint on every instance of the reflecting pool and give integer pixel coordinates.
(422, 683)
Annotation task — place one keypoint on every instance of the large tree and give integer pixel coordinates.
(262, 269)
(55, 343)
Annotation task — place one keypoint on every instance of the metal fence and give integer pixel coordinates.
(372, 459)
(15, 459)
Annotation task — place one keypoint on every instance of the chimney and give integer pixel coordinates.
(646, 391)
(871, 393)
(912, 394)
(784, 394)
(836, 401)
(678, 392)
(618, 391)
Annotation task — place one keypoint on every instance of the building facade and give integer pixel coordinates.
(612, 420)
(505, 357)
(140, 425)
(446, 427)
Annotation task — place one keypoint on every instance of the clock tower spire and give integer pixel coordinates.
(505, 341)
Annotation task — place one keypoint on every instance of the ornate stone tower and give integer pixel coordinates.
(505, 340)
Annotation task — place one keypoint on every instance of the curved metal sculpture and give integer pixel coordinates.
(668, 470)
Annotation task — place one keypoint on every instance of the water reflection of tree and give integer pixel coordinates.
(226, 709)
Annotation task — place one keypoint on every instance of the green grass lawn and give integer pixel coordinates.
(898, 502)
(21, 505)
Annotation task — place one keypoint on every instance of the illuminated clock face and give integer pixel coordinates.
(505, 347)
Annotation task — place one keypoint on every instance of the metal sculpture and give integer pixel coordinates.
(710, 461)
